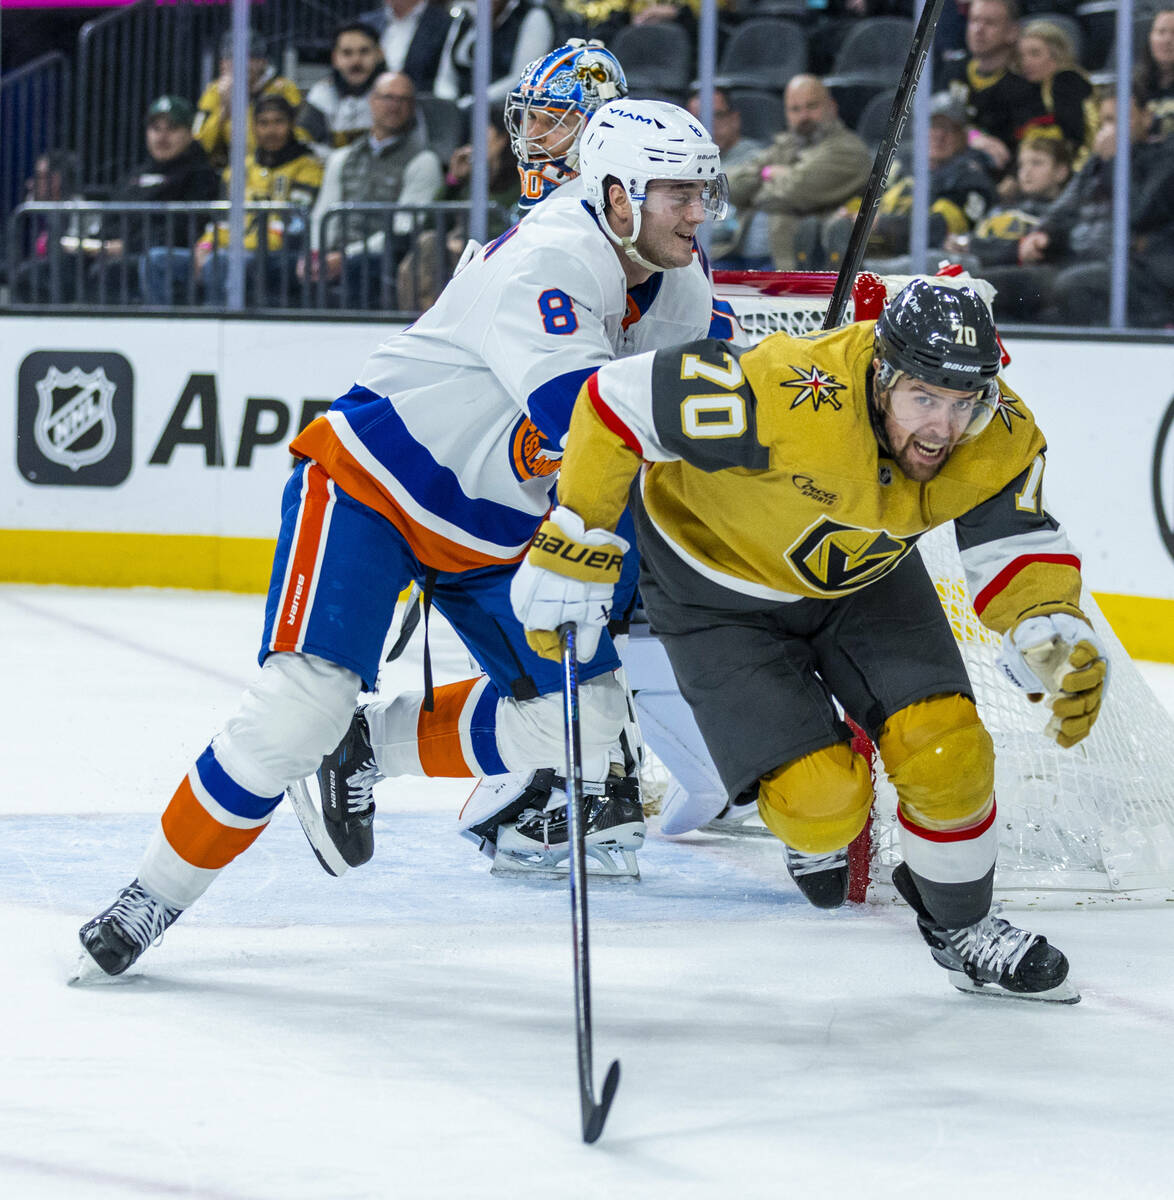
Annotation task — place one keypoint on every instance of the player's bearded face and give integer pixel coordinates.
(670, 216)
(923, 423)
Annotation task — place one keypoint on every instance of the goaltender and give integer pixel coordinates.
(781, 493)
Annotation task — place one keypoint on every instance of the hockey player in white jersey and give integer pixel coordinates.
(436, 466)
(520, 819)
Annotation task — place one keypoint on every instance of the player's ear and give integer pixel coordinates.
(618, 200)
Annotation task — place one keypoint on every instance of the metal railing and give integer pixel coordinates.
(373, 257)
(87, 254)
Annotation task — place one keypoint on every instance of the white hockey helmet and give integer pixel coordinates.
(547, 110)
(636, 141)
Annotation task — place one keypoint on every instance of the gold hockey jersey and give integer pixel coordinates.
(762, 472)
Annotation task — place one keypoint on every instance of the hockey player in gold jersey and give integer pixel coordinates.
(780, 492)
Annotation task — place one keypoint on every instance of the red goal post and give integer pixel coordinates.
(1084, 825)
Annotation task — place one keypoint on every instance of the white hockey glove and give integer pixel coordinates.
(568, 575)
(1059, 656)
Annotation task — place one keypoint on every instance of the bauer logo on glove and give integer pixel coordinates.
(568, 576)
(1061, 657)
(577, 560)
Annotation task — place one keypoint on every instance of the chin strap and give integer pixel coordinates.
(628, 244)
(875, 415)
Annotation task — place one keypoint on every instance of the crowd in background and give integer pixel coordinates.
(1021, 149)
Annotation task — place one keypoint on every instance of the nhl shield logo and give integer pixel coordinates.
(75, 423)
(75, 418)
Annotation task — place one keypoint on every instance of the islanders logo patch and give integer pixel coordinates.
(532, 454)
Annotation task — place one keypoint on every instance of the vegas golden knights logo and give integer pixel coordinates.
(836, 559)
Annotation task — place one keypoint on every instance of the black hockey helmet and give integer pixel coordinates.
(941, 334)
(945, 336)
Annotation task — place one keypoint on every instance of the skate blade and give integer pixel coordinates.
(309, 816)
(1063, 993)
(737, 829)
(601, 864)
(87, 973)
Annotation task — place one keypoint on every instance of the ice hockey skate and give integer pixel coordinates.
(739, 816)
(347, 779)
(822, 878)
(116, 938)
(992, 957)
(521, 822)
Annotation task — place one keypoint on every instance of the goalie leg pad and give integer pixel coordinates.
(530, 732)
(817, 803)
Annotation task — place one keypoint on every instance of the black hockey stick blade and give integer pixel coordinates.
(594, 1115)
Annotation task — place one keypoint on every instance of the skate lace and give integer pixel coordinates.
(143, 917)
(360, 787)
(992, 945)
(533, 820)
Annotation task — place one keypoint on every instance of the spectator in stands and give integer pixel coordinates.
(808, 170)
(53, 180)
(336, 110)
(1070, 249)
(391, 164)
(740, 241)
(214, 126)
(999, 100)
(175, 169)
(1044, 167)
(424, 272)
(523, 30)
(1064, 101)
(1155, 71)
(412, 35)
(961, 188)
(283, 170)
(1075, 234)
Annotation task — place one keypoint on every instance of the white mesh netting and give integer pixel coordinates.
(1085, 824)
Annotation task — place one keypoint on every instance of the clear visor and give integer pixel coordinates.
(679, 197)
(922, 408)
(541, 130)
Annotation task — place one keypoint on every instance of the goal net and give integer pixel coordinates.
(1085, 825)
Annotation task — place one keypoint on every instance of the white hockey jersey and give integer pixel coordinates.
(454, 428)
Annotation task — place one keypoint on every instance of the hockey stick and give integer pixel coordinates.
(593, 1113)
(898, 119)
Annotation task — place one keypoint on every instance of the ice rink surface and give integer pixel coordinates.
(406, 1031)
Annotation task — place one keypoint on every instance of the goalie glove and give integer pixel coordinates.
(569, 574)
(1061, 657)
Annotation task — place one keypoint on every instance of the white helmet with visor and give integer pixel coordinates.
(636, 141)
